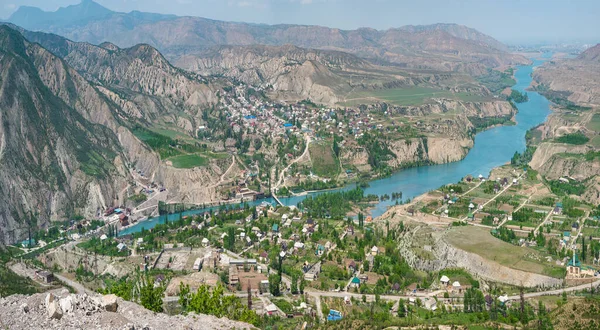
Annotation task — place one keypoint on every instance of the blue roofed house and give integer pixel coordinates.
(275, 228)
(28, 243)
(288, 125)
(320, 250)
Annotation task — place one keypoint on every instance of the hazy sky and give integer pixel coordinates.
(510, 21)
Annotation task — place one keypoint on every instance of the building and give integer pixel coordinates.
(574, 266)
(445, 280)
(44, 276)
(355, 283)
(374, 250)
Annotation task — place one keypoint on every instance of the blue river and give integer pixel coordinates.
(492, 148)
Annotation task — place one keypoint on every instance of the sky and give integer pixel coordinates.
(510, 21)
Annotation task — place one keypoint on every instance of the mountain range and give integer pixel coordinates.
(448, 47)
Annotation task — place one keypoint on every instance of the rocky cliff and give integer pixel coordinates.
(55, 160)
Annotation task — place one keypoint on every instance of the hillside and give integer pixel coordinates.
(73, 128)
(592, 54)
(54, 158)
(441, 46)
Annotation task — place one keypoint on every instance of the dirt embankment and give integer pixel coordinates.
(442, 255)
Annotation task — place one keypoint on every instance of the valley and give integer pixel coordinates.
(161, 170)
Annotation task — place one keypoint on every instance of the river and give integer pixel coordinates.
(492, 148)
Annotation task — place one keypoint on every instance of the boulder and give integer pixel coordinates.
(50, 297)
(66, 304)
(25, 308)
(109, 302)
(54, 311)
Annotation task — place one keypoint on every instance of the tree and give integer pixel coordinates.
(249, 296)
(149, 296)
(230, 238)
(294, 284)
(184, 295)
(583, 254)
(274, 283)
(401, 308)
(302, 285)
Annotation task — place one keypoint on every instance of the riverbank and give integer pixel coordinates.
(492, 148)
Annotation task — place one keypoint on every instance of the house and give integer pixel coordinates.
(355, 283)
(350, 230)
(28, 243)
(456, 287)
(205, 242)
(44, 276)
(369, 219)
(557, 210)
(312, 273)
(575, 226)
(275, 228)
(121, 247)
(310, 222)
(445, 280)
(264, 257)
(352, 266)
(320, 250)
(298, 245)
(374, 250)
(430, 304)
(103, 237)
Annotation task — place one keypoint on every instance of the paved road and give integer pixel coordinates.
(558, 291)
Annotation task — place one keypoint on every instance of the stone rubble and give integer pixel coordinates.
(62, 310)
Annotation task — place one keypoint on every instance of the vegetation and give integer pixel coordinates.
(497, 81)
(518, 97)
(143, 289)
(215, 303)
(482, 123)
(324, 161)
(188, 161)
(332, 205)
(378, 150)
(523, 159)
(138, 198)
(566, 188)
(573, 138)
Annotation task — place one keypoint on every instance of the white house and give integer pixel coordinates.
(445, 280)
(374, 250)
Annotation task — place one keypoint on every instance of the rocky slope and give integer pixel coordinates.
(575, 80)
(292, 72)
(444, 255)
(55, 160)
(65, 144)
(61, 310)
(443, 46)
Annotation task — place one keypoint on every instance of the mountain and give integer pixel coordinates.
(54, 160)
(322, 76)
(591, 54)
(448, 47)
(459, 31)
(69, 138)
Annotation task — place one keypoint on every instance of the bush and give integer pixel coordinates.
(573, 138)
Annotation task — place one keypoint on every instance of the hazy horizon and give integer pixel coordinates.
(510, 21)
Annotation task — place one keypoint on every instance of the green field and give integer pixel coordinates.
(594, 124)
(324, 162)
(595, 141)
(407, 96)
(479, 241)
(188, 161)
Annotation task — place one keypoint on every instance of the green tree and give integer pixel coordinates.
(274, 284)
(401, 308)
(149, 296)
(294, 284)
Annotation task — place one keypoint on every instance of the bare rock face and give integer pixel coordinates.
(54, 310)
(109, 302)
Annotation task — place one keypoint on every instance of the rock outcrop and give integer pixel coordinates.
(92, 312)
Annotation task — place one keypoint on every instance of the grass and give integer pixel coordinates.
(479, 241)
(407, 96)
(188, 161)
(595, 141)
(594, 124)
(324, 162)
